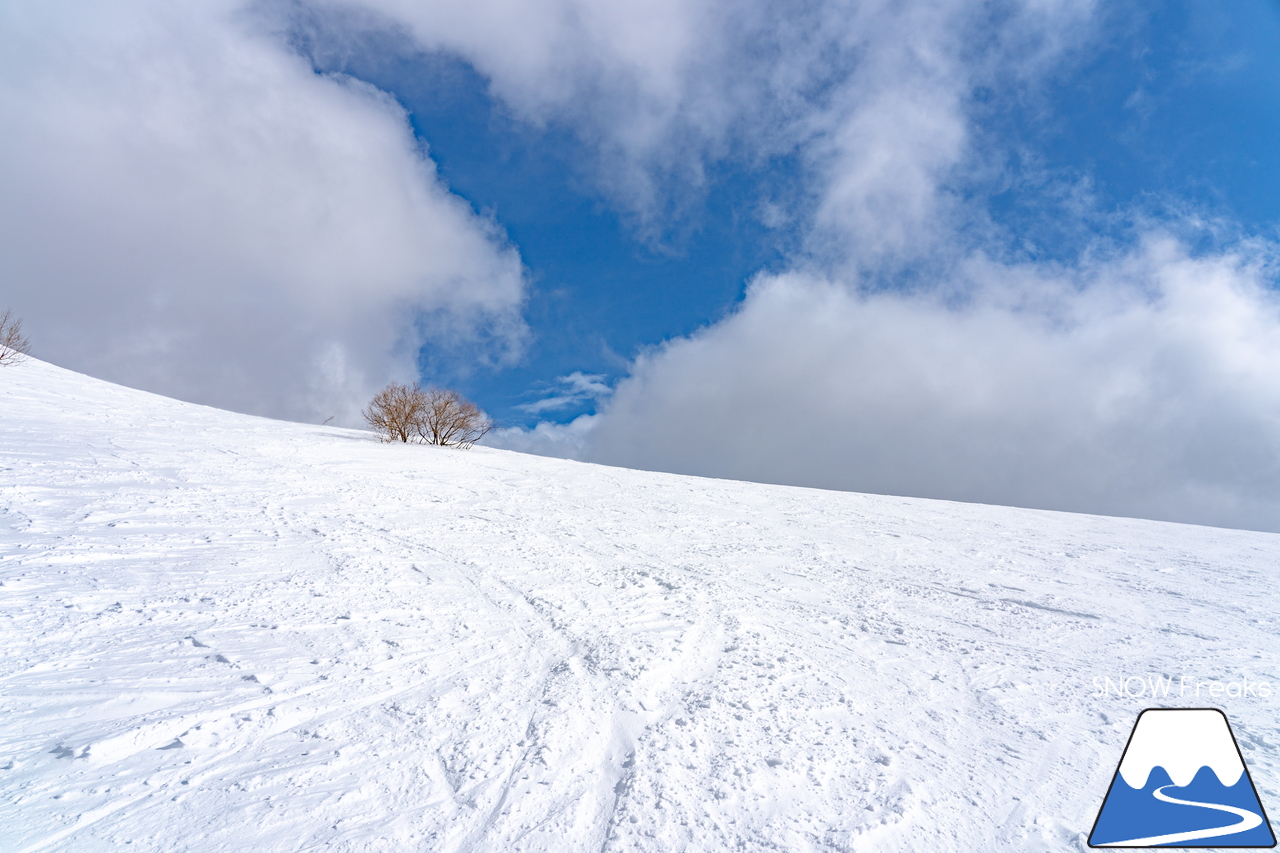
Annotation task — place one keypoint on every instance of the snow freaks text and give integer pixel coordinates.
(1179, 687)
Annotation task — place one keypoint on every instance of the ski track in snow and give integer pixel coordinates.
(228, 633)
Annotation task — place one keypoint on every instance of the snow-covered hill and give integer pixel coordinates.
(219, 632)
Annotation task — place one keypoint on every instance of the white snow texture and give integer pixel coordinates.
(222, 632)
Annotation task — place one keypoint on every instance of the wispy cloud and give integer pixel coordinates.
(571, 390)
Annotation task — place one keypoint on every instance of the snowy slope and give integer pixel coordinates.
(226, 633)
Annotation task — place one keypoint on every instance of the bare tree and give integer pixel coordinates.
(396, 411)
(451, 420)
(434, 416)
(14, 345)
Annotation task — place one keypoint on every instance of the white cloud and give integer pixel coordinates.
(566, 441)
(655, 89)
(189, 208)
(1145, 385)
(572, 390)
(871, 95)
(620, 74)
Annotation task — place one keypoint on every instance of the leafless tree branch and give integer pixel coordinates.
(14, 345)
(451, 420)
(433, 416)
(395, 412)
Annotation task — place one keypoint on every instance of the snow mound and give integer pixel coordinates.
(222, 632)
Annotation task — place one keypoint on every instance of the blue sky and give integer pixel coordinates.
(601, 287)
(1016, 251)
(1176, 105)
(1167, 107)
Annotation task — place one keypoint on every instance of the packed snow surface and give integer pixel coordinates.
(227, 633)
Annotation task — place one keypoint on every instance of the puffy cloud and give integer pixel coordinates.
(188, 207)
(870, 95)
(1145, 385)
(646, 86)
(566, 441)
